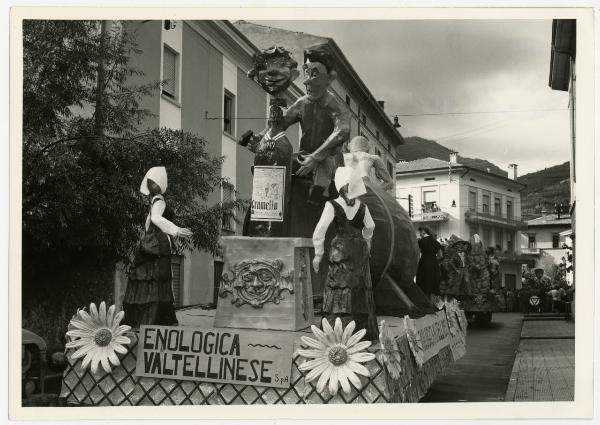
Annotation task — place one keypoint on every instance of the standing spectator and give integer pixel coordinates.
(554, 298)
(428, 270)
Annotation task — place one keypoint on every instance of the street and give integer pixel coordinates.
(484, 372)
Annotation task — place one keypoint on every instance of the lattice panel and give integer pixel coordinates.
(122, 388)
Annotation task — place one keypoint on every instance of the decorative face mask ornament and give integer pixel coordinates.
(274, 69)
(256, 282)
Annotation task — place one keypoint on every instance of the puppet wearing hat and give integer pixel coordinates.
(348, 293)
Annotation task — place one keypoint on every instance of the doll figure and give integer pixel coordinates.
(149, 296)
(348, 292)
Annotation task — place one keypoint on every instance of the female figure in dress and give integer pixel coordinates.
(395, 250)
(348, 292)
(428, 271)
(149, 297)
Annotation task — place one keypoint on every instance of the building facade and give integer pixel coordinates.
(562, 77)
(368, 117)
(205, 91)
(546, 238)
(453, 199)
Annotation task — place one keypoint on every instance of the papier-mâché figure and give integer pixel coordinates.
(348, 292)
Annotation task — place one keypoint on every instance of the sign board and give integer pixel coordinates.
(268, 191)
(215, 355)
(434, 216)
(458, 343)
(428, 335)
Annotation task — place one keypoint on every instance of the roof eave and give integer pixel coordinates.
(365, 91)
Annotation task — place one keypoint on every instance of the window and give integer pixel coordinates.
(499, 239)
(390, 169)
(169, 85)
(377, 152)
(497, 206)
(377, 134)
(228, 222)
(509, 208)
(531, 241)
(487, 236)
(228, 113)
(485, 203)
(348, 101)
(430, 198)
(473, 229)
(389, 147)
(429, 178)
(363, 118)
(509, 242)
(472, 200)
(176, 278)
(555, 240)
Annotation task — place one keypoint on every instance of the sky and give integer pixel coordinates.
(442, 66)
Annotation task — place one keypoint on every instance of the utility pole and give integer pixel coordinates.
(99, 114)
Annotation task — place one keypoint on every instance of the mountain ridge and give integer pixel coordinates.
(417, 147)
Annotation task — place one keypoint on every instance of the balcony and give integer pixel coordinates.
(530, 251)
(501, 220)
(429, 216)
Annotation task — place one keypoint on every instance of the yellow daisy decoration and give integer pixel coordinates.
(336, 356)
(97, 335)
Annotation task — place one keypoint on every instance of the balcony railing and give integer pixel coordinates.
(534, 251)
(429, 215)
(480, 216)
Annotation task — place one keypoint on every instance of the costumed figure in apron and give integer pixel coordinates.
(477, 262)
(395, 250)
(149, 297)
(348, 292)
(455, 276)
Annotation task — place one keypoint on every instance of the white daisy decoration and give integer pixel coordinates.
(97, 337)
(336, 356)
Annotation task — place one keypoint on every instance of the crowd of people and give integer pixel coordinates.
(538, 292)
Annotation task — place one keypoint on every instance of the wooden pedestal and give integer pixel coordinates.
(266, 284)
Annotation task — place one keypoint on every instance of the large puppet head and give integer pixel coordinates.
(274, 69)
(318, 70)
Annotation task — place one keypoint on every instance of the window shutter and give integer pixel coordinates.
(430, 196)
(177, 279)
(169, 72)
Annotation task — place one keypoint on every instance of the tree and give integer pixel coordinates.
(82, 210)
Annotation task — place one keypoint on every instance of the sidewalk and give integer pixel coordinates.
(544, 368)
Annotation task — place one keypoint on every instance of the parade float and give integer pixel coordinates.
(466, 278)
(265, 343)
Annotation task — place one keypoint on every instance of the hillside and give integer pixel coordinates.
(545, 188)
(417, 147)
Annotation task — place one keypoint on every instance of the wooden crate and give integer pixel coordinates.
(266, 284)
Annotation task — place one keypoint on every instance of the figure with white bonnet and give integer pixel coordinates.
(366, 164)
(149, 296)
(348, 293)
